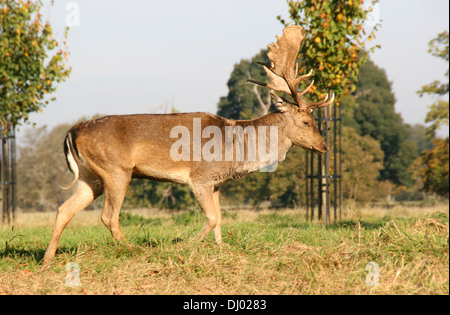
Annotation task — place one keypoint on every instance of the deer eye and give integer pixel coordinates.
(306, 123)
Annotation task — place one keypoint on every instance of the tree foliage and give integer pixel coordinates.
(432, 168)
(31, 61)
(438, 114)
(418, 134)
(362, 161)
(373, 109)
(334, 43)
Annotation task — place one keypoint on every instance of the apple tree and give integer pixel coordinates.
(31, 61)
(335, 45)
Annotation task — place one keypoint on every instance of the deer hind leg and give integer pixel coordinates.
(83, 195)
(114, 195)
(205, 198)
(217, 228)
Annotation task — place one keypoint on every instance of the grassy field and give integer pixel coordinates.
(265, 252)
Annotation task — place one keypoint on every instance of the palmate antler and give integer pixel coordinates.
(284, 69)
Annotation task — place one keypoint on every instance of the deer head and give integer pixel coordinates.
(283, 73)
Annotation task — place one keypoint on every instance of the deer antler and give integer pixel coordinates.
(284, 69)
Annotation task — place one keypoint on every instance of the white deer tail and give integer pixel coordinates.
(70, 159)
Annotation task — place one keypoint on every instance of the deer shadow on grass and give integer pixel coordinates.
(35, 255)
(31, 252)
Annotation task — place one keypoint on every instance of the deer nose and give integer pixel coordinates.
(324, 146)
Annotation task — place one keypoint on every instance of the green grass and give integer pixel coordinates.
(269, 252)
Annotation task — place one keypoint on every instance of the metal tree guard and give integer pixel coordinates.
(324, 171)
(8, 175)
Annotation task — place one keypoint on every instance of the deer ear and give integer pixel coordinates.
(279, 102)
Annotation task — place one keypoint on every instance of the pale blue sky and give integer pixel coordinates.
(133, 56)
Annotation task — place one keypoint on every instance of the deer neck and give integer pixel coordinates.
(277, 120)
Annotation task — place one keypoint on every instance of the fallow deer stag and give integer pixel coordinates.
(104, 154)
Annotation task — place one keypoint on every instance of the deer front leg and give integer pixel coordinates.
(115, 188)
(204, 196)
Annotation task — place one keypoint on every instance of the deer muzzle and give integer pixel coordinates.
(322, 148)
